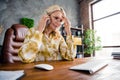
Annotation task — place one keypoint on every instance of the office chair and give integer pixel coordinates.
(13, 40)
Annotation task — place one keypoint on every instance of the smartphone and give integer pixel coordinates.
(48, 22)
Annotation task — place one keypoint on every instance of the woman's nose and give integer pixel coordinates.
(60, 22)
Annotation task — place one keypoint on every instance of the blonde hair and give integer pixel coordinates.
(54, 8)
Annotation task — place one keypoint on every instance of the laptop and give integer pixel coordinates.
(90, 66)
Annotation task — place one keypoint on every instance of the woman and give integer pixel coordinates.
(46, 42)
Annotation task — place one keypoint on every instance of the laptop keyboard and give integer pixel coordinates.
(91, 66)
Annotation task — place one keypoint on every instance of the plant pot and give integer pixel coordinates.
(87, 55)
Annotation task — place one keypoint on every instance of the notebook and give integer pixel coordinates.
(11, 75)
(91, 66)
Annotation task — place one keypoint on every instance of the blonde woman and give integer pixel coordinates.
(46, 43)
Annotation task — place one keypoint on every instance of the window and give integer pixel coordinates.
(106, 21)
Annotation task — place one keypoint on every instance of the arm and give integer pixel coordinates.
(42, 23)
(30, 47)
(67, 49)
(32, 42)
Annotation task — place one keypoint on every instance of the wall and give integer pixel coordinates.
(11, 11)
(85, 16)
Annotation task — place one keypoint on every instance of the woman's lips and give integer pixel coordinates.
(56, 25)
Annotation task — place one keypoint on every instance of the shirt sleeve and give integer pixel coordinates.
(31, 46)
(67, 49)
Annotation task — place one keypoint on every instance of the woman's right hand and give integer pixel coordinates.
(42, 23)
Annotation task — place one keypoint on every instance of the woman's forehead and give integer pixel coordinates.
(57, 13)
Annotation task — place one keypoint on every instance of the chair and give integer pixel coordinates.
(13, 40)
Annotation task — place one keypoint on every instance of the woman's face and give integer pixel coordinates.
(56, 20)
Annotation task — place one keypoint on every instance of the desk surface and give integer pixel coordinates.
(61, 71)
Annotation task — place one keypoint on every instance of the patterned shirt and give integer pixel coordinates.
(39, 47)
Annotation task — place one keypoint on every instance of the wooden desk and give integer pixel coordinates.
(61, 71)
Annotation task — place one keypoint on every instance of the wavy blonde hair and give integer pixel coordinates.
(54, 8)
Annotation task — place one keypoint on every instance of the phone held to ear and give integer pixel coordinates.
(48, 22)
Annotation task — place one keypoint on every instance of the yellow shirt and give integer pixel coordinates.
(39, 47)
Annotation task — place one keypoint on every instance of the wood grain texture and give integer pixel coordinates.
(61, 71)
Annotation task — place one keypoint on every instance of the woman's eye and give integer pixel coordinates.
(61, 20)
(56, 17)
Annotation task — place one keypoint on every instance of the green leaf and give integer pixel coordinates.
(27, 22)
(91, 41)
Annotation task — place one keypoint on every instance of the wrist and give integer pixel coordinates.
(68, 32)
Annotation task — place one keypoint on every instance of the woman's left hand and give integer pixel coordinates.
(67, 26)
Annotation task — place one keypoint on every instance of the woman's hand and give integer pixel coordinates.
(42, 23)
(67, 26)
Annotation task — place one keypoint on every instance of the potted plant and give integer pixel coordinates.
(27, 22)
(91, 42)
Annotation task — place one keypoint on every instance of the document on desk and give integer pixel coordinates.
(11, 75)
(91, 66)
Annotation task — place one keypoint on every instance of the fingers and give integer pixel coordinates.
(67, 26)
(66, 22)
(45, 17)
(44, 20)
(42, 23)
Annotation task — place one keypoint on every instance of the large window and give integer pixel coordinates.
(106, 21)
